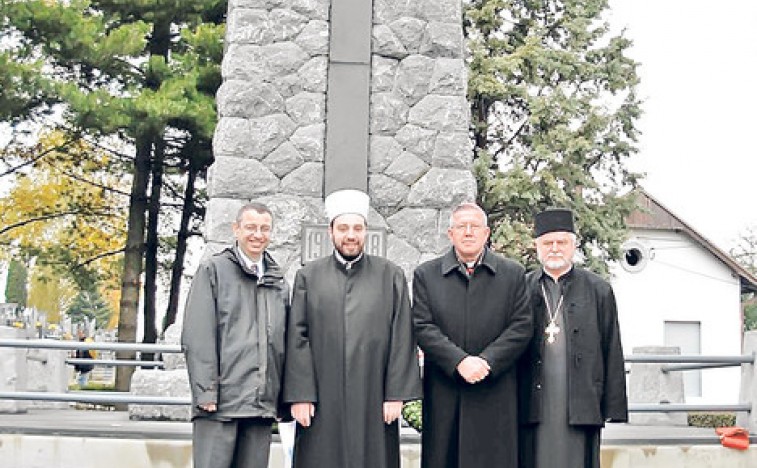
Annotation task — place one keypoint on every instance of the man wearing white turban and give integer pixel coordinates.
(351, 357)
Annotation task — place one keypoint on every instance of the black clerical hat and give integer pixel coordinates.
(553, 219)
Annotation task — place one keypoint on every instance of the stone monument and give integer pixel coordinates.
(322, 95)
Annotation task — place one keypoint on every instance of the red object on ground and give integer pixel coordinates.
(733, 437)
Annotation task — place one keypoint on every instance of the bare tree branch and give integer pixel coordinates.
(36, 158)
(49, 216)
(88, 182)
(97, 257)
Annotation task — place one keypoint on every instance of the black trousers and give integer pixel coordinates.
(238, 443)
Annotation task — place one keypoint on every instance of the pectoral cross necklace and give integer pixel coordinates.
(552, 328)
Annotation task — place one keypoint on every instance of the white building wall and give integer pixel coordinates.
(682, 281)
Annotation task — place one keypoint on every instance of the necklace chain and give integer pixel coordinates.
(552, 328)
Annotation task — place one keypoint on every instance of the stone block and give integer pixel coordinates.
(236, 98)
(413, 77)
(647, 383)
(284, 159)
(410, 32)
(445, 113)
(169, 383)
(440, 10)
(388, 113)
(306, 180)
(408, 168)
(443, 40)
(307, 108)
(449, 78)
(310, 142)
(383, 151)
(386, 191)
(266, 63)
(228, 140)
(13, 370)
(418, 140)
(240, 178)
(419, 227)
(314, 38)
(263, 4)
(443, 188)
(386, 11)
(376, 219)
(290, 212)
(47, 371)
(386, 44)
(267, 133)
(289, 85)
(314, 9)
(403, 254)
(313, 75)
(383, 70)
(260, 27)
(453, 150)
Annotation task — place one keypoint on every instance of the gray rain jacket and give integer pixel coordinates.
(233, 337)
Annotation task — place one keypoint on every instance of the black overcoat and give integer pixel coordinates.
(596, 372)
(487, 315)
(350, 348)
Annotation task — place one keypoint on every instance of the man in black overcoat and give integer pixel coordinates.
(572, 376)
(472, 321)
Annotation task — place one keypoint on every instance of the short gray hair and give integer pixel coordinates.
(468, 206)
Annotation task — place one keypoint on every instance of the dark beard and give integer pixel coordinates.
(349, 258)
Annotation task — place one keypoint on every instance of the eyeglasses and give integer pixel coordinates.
(474, 228)
(264, 229)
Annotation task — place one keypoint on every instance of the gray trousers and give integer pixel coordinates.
(238, 443)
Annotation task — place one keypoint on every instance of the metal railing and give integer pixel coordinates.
(96, 397)
(87, 345)
(686, 363)
(680, 363)
(103, 398)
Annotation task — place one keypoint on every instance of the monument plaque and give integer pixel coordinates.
(316, 242)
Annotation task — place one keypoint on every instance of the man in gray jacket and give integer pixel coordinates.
(233, 338)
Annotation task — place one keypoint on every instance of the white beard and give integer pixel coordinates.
(555, 263)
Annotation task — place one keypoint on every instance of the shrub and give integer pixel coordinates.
(412, 412)
(711, 419)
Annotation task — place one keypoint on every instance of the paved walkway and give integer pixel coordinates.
(116, 424)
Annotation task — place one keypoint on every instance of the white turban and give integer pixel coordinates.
(347, 201)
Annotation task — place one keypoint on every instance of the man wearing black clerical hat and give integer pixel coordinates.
(572, 376)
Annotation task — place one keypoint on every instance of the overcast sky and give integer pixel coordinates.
(699, 83)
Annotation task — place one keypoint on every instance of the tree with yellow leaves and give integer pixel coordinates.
(66, 211)
(50, 292)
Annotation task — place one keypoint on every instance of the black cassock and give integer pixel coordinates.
(350, 348)
(591, 384)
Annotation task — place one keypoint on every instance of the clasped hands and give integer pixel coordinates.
(473, 369)
(304, 412)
